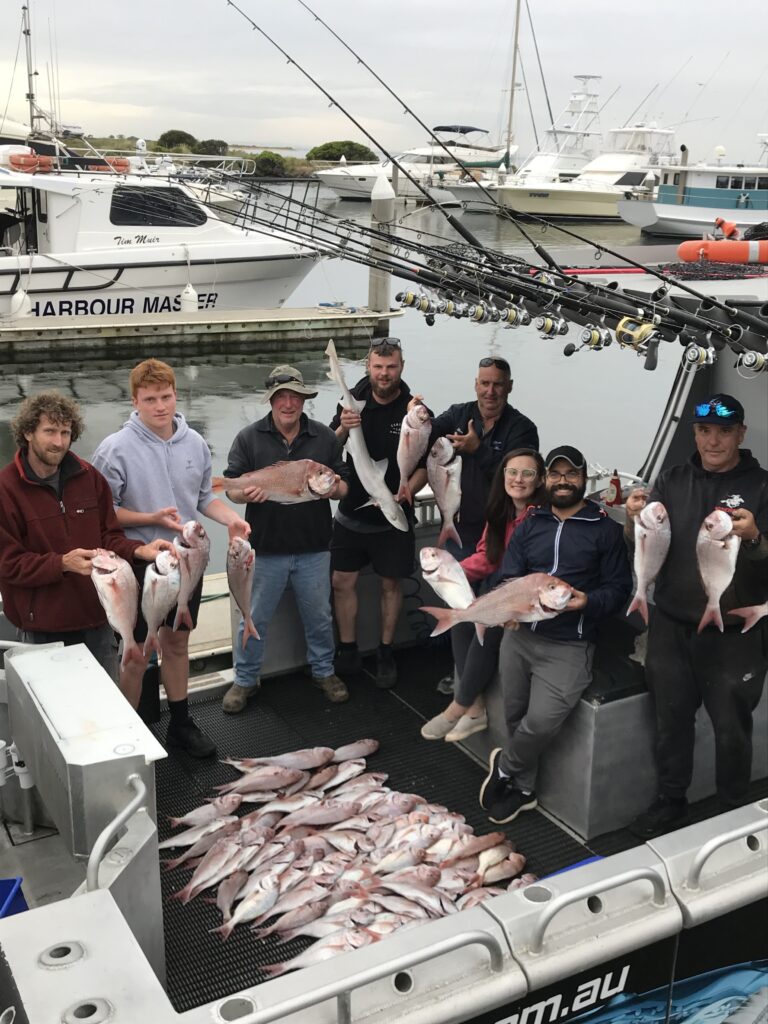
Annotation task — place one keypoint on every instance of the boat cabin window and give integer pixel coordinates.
(721, 181)
(750, 183)
(666, 178)
(762, 182)
(737, 183)
(154, 207)
(632, 178)
(676, 179)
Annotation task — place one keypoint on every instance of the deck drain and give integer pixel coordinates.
(61, 955)
(88, 1011)
(234, 1009)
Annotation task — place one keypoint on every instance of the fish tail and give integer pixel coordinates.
(249, 630)
(273, 970)
(217, 483)
(224, 930)
(184, 618)
(639, 604)
(152, 643)
(711, 616)
(751, 614)
(448, 532)
(446, 618)
(184, 895)
(480, 631)
(131, 652)
(169, 865)
(404, 492)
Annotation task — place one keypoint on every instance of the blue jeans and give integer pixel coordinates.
(310, 577)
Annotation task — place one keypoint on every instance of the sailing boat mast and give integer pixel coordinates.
(27, 32)
(512, 87)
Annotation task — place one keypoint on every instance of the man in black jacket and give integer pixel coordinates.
(361, 535)
(684, 668)
(291, 541)
(546, 666)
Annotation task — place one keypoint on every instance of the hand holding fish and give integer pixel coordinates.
(577, 601)
(636, 501)
(167, 518)
(78, 560)
(465, 444)
(149, 552)
(415, 400)
(744, 525)
(349, 418)
(238, 528)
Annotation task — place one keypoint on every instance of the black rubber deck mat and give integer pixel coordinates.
(290, 713)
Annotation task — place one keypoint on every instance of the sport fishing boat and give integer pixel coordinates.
(691, 197)
(86, 237)
(613, 930)
(430, 165)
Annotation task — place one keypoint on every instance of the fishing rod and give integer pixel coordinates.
(455, 224)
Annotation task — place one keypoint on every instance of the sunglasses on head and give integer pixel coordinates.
(500, 364)
(707, 408)
(386, 343)
(281, 378)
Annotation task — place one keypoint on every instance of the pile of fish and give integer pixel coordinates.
(717, 548)
(333, 854)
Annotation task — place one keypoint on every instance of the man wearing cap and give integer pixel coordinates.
(291, 541)
(361, 535)
(546, 666)
(684, 668)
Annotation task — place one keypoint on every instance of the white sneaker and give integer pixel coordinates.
(437, 728)
(467, 726)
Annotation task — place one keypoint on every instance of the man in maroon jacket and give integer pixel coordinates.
(55, 510)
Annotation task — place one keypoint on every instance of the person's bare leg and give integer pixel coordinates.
(391, 603)
(345, 604)
(174, 666)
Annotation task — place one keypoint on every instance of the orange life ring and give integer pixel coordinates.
(23, 162)
(723, 250)
(119, 164)
(44, 164)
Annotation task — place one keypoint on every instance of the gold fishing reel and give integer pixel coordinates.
(634, 333)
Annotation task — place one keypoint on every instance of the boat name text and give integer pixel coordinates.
(135, 239)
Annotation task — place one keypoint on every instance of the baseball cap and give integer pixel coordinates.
(286, 378)
(721, 409)
(565, 451)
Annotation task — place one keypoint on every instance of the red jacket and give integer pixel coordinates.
(477, 566)
(36, 529)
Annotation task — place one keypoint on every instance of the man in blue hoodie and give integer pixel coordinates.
(546, 666)
(159, 471)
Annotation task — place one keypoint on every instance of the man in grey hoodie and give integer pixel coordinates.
(159, 471)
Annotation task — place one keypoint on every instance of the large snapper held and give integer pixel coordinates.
(652, 537)
(287, 483)
(444, 477)
(717, 548)
(193, 549)
(414, 438)
(118, 592)
(446, 577)
(241, 560)
(162, 582)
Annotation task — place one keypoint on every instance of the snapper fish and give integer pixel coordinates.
(287, 483)
(444, 477)
(118, 592)
(162, 582)
(414, 438)
(751, 614)
(717, 548)
(193, 549)
(241, 560)
(446, 577)
(652, 537)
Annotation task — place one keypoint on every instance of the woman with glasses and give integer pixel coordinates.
(516, 485)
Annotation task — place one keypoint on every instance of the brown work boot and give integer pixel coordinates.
(333, 688)
(238, 696)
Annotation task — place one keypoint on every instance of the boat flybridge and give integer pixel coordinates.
(96, 238)
(429, 164)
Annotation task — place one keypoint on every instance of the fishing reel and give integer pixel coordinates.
(696, 356)
(753, 362)
(515, 316)
(594, 336)
(481, 313)
(636, 334)
(550, 326)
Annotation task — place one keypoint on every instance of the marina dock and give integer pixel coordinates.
(243, 330)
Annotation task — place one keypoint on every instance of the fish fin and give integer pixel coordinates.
(152, 643)
(218, 483)
(404, 493)
(224, 930)
(445, 619)
(184, 618)
(751, 614)
(448, 532)
(639, 604)
(131, 652)
(711, 615)
(480, 630)
(249, 630)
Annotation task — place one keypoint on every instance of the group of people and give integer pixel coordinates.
(520, 513)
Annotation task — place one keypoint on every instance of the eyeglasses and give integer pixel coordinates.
(707, 408)
(500, 364)
(524, 474)
(571, 475)
(282, 378)
(386, 343)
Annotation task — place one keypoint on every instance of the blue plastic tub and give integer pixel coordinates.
(11, 897)
(579, 864)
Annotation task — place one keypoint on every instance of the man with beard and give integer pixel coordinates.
(55, 511)
(362, 535)
(546, 666)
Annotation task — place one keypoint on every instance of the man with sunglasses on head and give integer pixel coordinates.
(685, 668)
(546, 666)
(481, 432)
(291, 541)
(361, 535)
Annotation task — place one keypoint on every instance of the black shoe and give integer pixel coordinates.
(187, 737)
(665, 815)
(508, 807)
(494, 785)
(347, 661)
(386, 668)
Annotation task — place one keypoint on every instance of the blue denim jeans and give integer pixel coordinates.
(310, 577)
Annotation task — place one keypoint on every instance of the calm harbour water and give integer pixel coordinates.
(603, 402)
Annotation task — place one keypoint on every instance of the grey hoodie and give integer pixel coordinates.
(146, 473)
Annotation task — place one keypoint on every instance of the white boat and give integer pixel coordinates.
(430, 165)
(690, 197)
(568, 145)
(101, 242)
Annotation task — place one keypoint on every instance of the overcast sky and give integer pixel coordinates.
(142, 67)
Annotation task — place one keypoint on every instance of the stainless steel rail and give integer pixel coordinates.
(706, 851)
(342, 990)
(586, 891)
(111, 830)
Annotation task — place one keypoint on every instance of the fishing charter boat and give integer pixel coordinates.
(96, 239)
(691, 197)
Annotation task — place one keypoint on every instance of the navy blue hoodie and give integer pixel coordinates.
(586, 550)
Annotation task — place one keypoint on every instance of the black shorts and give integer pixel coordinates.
(140, 632)
(390, 552)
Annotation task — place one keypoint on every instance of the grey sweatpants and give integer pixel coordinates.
(542, 681)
